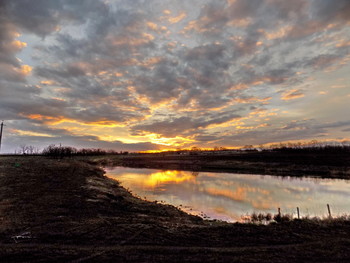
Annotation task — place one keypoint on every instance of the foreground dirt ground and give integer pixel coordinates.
(65, 210)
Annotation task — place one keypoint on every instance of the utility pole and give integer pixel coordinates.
(1, 127)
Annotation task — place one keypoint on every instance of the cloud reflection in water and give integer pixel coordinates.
(229, 196)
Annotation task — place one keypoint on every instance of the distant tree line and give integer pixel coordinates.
(68, 151)
(312, 146)
(317, 149)
(65, 151)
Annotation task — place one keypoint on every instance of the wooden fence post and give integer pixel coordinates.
(298, 212)
(329, 211)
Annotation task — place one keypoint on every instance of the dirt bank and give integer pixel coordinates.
(67, 211)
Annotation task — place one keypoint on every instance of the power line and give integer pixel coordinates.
(1, 127)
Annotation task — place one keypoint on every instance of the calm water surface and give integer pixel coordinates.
(228, 196)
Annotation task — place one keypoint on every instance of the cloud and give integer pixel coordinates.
(177, 19)
(45, 16)
(158, 67)
(176, 126)
(292, 94)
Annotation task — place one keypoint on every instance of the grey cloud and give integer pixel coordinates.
(102, 113)
(11, 74)
(322, 61)
(268, 136)
(42, 17)
(30, 126)
(7, 51)
(17, 99)
(298, 124)
(328, 9)
(313, 126)
(163, 82)
(337, 124)
(176, 126)
(295, 130)
(207, 138)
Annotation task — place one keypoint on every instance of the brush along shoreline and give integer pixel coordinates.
(66, 210)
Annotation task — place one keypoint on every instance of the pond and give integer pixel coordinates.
(227, 196)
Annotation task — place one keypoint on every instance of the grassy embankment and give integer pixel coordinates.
(72, 213)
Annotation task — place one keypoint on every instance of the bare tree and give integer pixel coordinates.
(23, 149)
(32, 149)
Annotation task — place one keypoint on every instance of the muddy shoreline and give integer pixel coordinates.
(71, 212)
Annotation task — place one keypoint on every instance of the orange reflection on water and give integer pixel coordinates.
(230, 196)
(167, 177)
(238, 195)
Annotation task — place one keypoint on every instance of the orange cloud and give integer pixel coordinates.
(45, 118)
(48, 82)
(152, 25)
(240, 22)
(343, 43)
(251, 100)
(292, 94)
(25, 70)
(30, 133)
(61, 119)
(279, 33)
(145, 38)
(177, 19)
(176, 141)
(17, 45)
(151, 61)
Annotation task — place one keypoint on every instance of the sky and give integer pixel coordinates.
(158, 74)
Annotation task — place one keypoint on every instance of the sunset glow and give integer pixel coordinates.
(161, 75)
